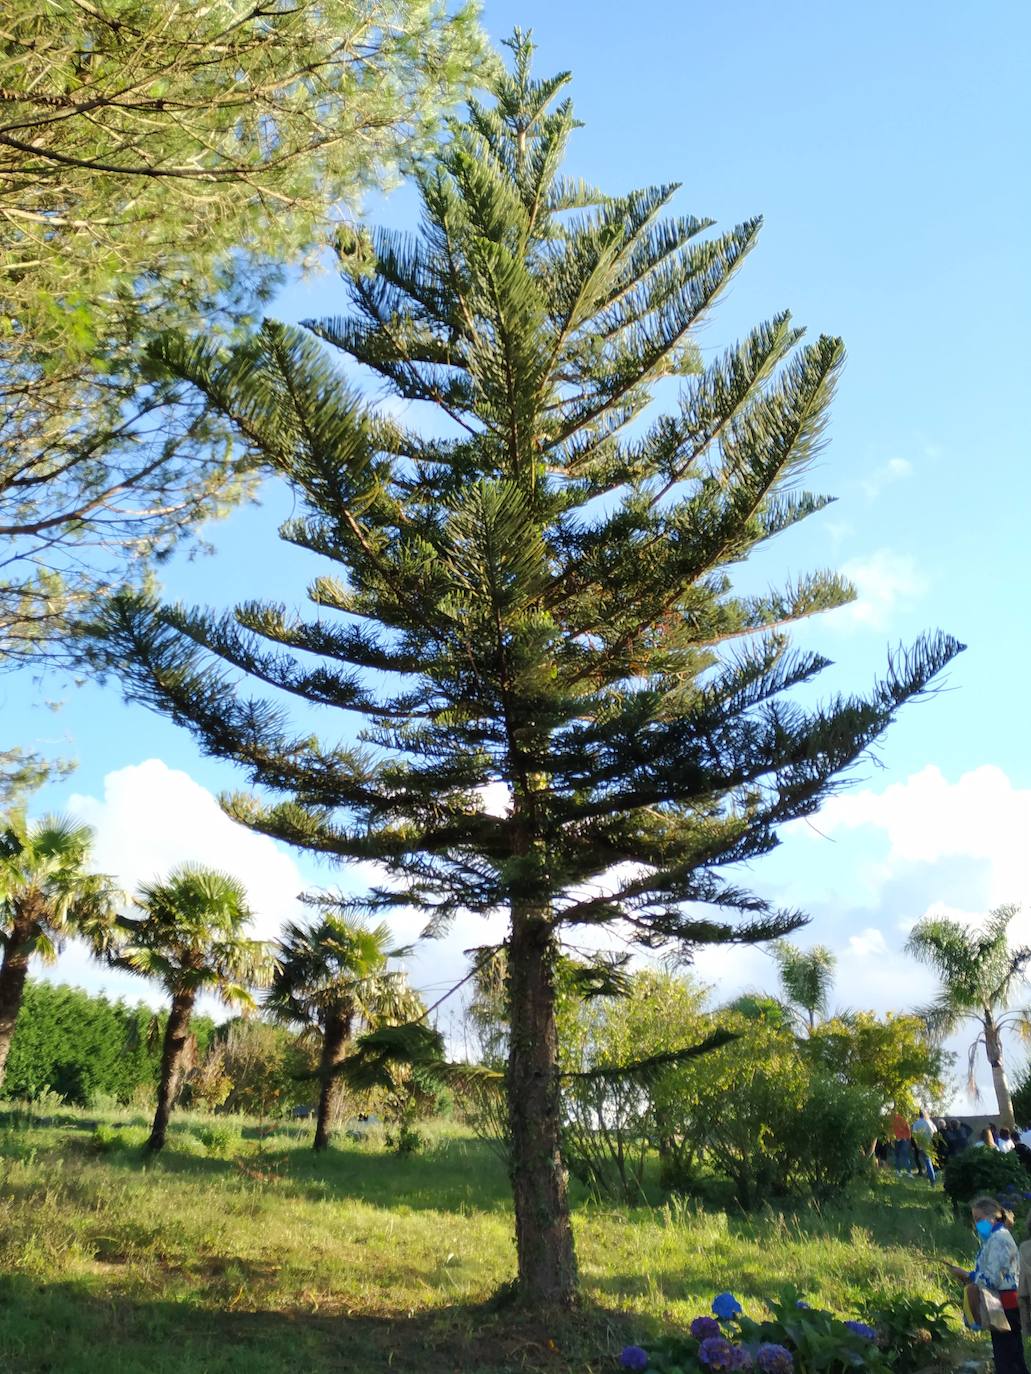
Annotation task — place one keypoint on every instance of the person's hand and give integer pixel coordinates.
(957, 1271)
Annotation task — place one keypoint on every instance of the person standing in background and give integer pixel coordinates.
(922, 1132)
(903, 1136)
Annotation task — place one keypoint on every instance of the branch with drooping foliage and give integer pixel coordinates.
(536, 597)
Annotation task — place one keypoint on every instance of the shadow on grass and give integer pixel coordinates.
(453, 1176)
(74, 1329)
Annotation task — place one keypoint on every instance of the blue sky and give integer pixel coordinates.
(886, 147)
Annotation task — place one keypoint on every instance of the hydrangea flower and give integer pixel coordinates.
(862, 1329)
(633, 1357)
(726, 1306)
(802, 1305)
(717, 1353)
(742, 1357)
(774, 1359)
(702, 1327)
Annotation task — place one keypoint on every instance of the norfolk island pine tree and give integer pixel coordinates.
(550, 585)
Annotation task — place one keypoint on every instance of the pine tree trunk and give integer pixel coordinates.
(13, 972)
(337, 1034)
(177, 1034)
(544, 1234)
(993, 1048)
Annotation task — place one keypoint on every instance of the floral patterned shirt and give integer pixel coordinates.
(997, 1266)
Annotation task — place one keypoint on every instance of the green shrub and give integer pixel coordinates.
(85, 1048)
(187, 1143)
(219, 1138)
(777, 1126)
(108, 1139)
(983, 1171)
(907, 1327)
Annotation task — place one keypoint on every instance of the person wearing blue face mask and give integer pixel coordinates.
(996, 1272)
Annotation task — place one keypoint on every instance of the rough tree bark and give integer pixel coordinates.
(544, 1234)
(13, 972)
(993, 1048)
(334, 1039)
(177, 1035)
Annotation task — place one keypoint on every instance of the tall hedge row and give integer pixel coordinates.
(85, 1047)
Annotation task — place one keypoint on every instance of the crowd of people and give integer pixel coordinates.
(925, 1143)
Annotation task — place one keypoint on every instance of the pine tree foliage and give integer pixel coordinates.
(160, 162)
(543, 598)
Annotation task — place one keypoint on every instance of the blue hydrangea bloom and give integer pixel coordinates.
(725, 1305)
(633, 1357)
(862, 1329)
(702, 1327)
(742, 1358)
(716, 1353)
(802, 1305)
(774, 1359)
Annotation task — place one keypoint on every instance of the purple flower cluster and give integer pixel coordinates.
(702, 1327)
(862, 1329)
(717, 1353)
(774, 1359)
(633, 1357)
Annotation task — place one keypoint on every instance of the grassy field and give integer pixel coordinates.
(249, 1255)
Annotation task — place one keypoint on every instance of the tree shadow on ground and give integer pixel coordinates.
(71, 1328)
(451, 1177)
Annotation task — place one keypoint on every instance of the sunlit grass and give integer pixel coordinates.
(255, 1255)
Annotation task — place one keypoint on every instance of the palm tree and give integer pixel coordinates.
(46, 892)
(191, 939)
(980, 975)
(806, 979)
(332, 980)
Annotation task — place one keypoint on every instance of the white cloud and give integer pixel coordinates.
(152, 817)
(892, 471)
(885, 581)
(869, 942)
(927, 820)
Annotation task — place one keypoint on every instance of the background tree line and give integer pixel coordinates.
(88, 1049)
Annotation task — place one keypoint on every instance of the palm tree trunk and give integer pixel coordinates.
(993, 1048)
(13, 972)
(177, 1034)
(544, 1235)
(336, 1036)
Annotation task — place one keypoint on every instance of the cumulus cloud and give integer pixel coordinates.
(928, 821)
(885, 581)
(152, 817)
(888, 473)
(868, 942)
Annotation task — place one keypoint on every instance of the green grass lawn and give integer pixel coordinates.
(267, 1258)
